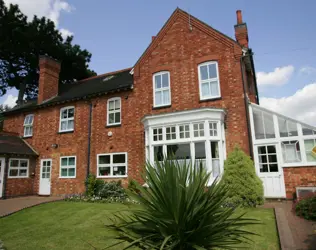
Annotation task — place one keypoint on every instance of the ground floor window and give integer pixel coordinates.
(18, 168)
(68, 167)
(112, 165)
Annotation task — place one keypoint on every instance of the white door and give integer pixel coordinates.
(2, 161)
(46, 167)
(269, 170)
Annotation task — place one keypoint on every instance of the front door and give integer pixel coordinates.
(45, 180)
(269, 170)
(2, 161)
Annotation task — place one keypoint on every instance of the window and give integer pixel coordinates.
(213, 128)
(291, 151)
(264, 126)
(181, 152)
(200, 154)
(216, 170)
(112, 165)
(310, 150)
(114, 111)
(209, 80)
(28, 125)
(308, 131)
(18, 168)
(198, 129)
(162, 95)
(157, 134)
(67, 119)
(287, 128)
(170, 133)
(68, 167)
(184, 131)
(268, 159)
(158, 153)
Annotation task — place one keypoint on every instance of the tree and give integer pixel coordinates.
(21, 44)
(179, 211)
(245, 186)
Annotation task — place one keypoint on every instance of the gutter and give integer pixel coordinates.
(89, 141)
(246, 106)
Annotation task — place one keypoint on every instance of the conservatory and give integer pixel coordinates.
(284, 152)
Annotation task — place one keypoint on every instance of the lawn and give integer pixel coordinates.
(68, 225)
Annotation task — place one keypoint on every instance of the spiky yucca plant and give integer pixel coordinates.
(179, 211)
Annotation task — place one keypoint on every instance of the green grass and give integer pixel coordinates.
(71, 225)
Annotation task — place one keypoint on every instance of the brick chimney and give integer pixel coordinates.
(241, 32)
(49, 78)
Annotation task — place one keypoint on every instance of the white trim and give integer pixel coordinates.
(2, 160)
(66, 119)
(113, 99)
(208, 80)
(71, 166)
(28, 125)
(50, 175)
(162, 88)
(18, 168)
(111, 165)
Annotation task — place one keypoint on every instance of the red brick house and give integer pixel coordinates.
(192, 93)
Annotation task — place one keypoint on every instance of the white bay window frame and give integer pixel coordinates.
(162, 89)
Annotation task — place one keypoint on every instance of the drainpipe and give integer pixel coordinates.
(5, 176)
(246, 105)
(89, 140)
(254, 74)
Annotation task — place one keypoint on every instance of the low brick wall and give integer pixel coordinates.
(298, 177)
(19, 187)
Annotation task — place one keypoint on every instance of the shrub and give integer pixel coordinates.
(93, 185)
(132, 185)
(178, 212)
(245, 187)
(306, 207)
(2, 247)
(111, 189)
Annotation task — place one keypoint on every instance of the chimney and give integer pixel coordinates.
(241, 32)
(153, 38)
(49, 78)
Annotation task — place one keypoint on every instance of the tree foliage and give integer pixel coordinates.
(240, 177)
(179, 211)
(21, 44)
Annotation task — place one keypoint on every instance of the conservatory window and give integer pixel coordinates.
(291, 151)
(310, 150)
(268, 158)
(264, 126)
(308, 131)
(287, 128)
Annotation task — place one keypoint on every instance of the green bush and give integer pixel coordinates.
(176, 211)
(2, 247)
(306, 208)
(245, 187)
(93, 185)
(112, 189)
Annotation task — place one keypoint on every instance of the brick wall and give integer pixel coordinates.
(298, 177)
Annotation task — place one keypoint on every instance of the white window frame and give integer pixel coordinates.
(162, 88)
(114, 111)
(111, 165)
(67, 167)
(28, 125)
(210, 97)
(18, 168)
(66, 119)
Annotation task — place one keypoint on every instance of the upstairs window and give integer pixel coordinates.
(209, 81)
(28, 125)
(162, 95)
(114, 111)
(67, 115)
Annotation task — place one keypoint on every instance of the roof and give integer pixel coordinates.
(90, 87)
(12, 144)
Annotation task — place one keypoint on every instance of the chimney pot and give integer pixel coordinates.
(239, 17)
(153, 38)
(241, 31)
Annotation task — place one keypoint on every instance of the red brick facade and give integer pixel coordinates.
(298, 177)
(177, 49)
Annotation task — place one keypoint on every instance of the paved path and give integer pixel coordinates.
(13, 205)
(295, 233)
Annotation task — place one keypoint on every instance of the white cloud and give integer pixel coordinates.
(279, 76)
(300, 106)
(65, 33)
(48, 8)
(10, 101)
(307, 70)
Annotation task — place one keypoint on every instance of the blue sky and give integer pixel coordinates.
(280, 34)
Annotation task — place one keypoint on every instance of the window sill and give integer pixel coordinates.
(113, 126)
(18, 177)
(65, 132)
(67, 177)
(162, 107)
(27, 137)
(112, 177)
(210, 99)
(299, 164)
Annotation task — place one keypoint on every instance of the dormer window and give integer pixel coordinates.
(67, 116)
(209, 81)
(114, 111)
(28, 125)
(162, 93)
